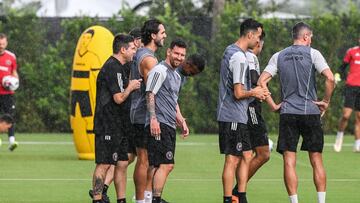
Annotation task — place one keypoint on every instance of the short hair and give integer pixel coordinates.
(7, 118)
(262, 36)
(121, 40)
(135, 32)
(249, 25)
(198, 61)
(150, 27)
(90, 31)
(298, 28)
(179, 43)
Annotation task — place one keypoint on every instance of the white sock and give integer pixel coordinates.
(140, 201)
(293, 199)
(148, 194)
(357, 142)
(11, 139)
(321, 197)
(339, 135)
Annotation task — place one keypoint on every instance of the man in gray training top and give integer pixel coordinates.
(153, 36)
(300, 109)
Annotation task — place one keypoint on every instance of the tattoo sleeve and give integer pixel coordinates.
(150, 102)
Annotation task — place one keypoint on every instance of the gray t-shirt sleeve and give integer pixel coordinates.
(155, 79)
(272, 65)
(318, 60)
(237, 66)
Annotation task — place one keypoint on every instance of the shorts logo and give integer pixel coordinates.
(107, 137)
(233, 126)
(239, 146)
(115, 156)
(169, 155)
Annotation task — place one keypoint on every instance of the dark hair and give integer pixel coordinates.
(121, 40)
(150, 27)
(7, 118)
(298, 27)
(90, 31)
(135, 32)
(179, 43)
(198, 61)
(249, 25)
(262, 36)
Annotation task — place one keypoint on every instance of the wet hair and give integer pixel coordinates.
(90, 31)
(298, 28)
(198, 61)
(150, 27)
(249, 25)
(7, 118)
(135, 32)
(121, 40)
(179, 43)
(3, 35)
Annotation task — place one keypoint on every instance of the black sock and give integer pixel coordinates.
(235, 190)
(156, 199)
(242, 197)
(106, 187)
(123, 200)
(227, 199)
(97, 201)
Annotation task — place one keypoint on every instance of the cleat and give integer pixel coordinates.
(338, 144)
(104, 197)
(13, 146)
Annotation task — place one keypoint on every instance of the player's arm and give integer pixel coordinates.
(122, 96)
(154, 83)
(181, 122)
(146, 65)
(264, 78)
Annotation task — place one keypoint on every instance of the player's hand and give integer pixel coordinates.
(276, 107)
(185, 130)
(260, 92)
(135, 84)
(337, 77)
(323, 106)
(155, 128)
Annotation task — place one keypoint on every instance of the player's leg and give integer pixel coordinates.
(120, 174)
(319, 175)
(243, 174)
(290, 176)
(159, 180)
(349, 104)
(9, 108)
(230, 165)
(108, 180)
(142, 163)
(98, 180)
(262, 155)
(357, 132)
(149, 184)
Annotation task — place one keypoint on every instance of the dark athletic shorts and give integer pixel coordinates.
(129, 131)
(140, 136)
(291, 126)
(161, 151)
(256, 126)
(352, 97)
(110, 148)
(7, 104)
(234, 138)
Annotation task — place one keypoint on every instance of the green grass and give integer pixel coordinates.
(52, 173)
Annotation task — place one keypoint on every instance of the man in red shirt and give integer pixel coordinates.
(351, 94)
(8, 66)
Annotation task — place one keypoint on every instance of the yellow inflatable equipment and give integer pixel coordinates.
(93, 49)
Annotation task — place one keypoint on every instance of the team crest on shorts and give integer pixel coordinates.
(115, 156)
(239, 146)
(169, 155)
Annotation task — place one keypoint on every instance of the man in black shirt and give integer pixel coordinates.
(112, 116)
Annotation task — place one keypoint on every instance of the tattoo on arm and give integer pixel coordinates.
(98, 186)
(150, 102)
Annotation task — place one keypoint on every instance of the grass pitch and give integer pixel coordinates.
(44, 168)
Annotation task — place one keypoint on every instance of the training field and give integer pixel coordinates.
(45, 169)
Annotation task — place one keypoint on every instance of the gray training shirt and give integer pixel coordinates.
(233, 70)
(165, 83)
(297, 66)
(138, 100)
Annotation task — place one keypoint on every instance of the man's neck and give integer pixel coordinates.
(120, 58)
(242, 44)
(167, 61)
(300, 43)
(152, 46)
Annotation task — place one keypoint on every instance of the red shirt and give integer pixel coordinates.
(352, 57)
(7, 67)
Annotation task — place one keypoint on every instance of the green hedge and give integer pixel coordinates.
(45, 66)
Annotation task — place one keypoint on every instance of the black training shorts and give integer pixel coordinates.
(352, 97)
(234, 138)
(140, 136)
(161, 151)
(291, 126)
(256, 126)
(110, 148)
